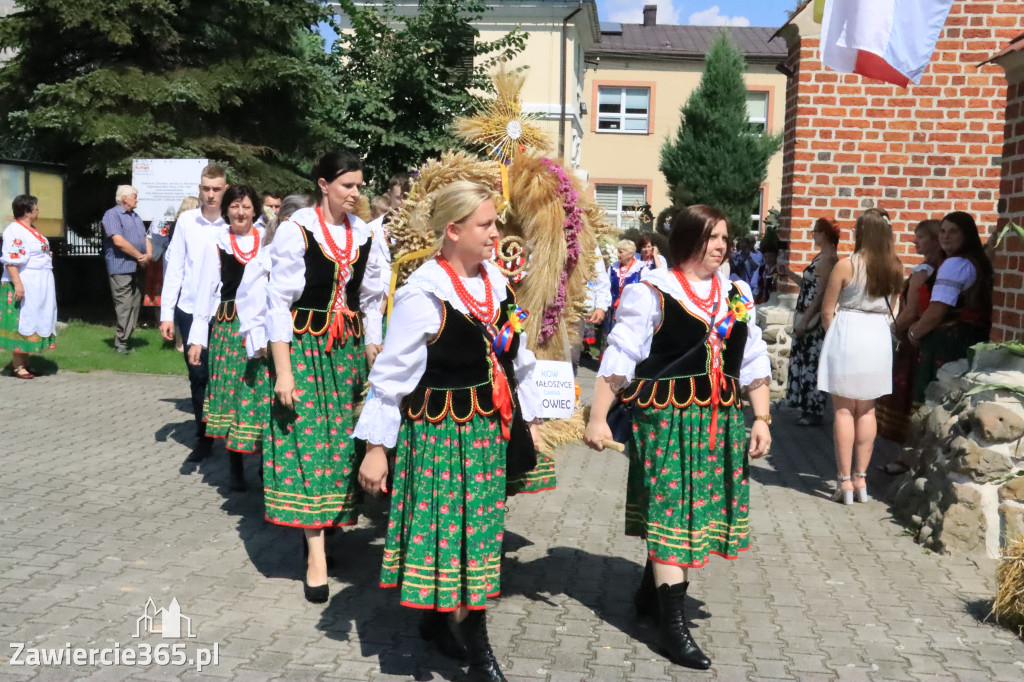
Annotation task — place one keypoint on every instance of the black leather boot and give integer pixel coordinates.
(646, 597)
(676, 639)
(483, 666)
(436, 627)
(237, 471)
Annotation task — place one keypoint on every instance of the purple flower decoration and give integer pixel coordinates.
(572, 227)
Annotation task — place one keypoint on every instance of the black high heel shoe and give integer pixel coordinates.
(316, 594)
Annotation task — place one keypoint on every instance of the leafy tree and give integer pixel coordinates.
(404, 79)
(95, 83)
(717, 157)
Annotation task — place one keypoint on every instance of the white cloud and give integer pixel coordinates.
(632, 11)
(712, 17)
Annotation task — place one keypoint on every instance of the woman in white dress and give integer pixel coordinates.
(856, 356)
(28, 299)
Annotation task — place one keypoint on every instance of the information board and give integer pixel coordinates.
(163, 183)
(557, 387)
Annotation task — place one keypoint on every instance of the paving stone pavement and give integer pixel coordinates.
(99, 512)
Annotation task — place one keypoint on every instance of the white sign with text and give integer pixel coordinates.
(557, 387)
(163, 183)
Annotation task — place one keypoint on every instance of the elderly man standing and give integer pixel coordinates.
(126, 252)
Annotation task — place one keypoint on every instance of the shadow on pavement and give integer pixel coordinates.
(603, 584)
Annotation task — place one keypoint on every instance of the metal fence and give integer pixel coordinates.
(76, 245)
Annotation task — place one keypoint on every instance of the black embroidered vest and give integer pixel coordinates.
(312, 312)
(230, 277)
(690, 380)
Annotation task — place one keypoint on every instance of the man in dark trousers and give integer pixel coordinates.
(126, 252)
(192, 234)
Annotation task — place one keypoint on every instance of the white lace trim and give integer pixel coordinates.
(616, 363)
(430, 278)
(379, 421)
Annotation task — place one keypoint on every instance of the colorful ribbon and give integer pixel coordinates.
(502, 341)
(739, 306)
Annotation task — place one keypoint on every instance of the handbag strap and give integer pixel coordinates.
(891, 315)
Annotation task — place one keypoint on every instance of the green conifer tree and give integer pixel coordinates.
(95, 83)
(717, 157)
(404, 79)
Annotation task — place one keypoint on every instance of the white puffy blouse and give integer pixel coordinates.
(288, 270)
(639, 314)
(415, 319)
(208, 284)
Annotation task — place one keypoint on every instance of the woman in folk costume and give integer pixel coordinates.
(621, 274)
(238, 396)
(453, 391)
(28, 299)
(684, 345)
(323, 324)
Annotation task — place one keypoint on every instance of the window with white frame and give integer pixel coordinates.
(757, 111)
(755, 218)
(622, 203)
(623, 110)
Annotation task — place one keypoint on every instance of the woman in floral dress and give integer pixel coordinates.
(238, 396)
(683, 347)
(28, 299)
(323, 325)
(808, 334)
(453, 389)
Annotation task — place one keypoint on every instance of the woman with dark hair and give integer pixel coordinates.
(959, 312)
(649, 254)
(28, 299)
(323, 325)
(237, 401)
(892, 412)
(685, 345)
(856, 356)
(808, 334)
(446, 393)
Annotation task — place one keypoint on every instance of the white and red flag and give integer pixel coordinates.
(889, 40)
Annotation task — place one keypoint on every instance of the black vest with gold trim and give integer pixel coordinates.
(312, 312)
(690, 381)
(230, 277)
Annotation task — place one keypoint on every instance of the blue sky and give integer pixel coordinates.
(704, 12)
(733, 12)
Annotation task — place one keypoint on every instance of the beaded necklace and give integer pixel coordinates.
(484, 310)
(340, 256)
(709, 305)
(244, 257)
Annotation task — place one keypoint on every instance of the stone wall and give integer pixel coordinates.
(775, 318)
(964, 493)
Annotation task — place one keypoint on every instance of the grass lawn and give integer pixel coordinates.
(85, 347)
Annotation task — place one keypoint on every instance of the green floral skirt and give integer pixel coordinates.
(239, 395)
(311, 463)
(687, 500)
(10, 315)
(542, 477)
(447, 514)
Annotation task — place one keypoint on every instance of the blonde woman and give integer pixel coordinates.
(856, 356)
(453, 391)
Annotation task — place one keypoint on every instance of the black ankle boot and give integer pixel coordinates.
(646, 597)
(483, 666)
(237, 471)
(676, 639)
(436, 627)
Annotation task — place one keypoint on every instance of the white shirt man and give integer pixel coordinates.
(192, 234)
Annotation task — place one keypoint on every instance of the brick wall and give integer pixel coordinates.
(1008, 261)
(852, 143)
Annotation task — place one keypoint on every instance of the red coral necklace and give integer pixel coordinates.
(484, 310)
(708, 305)
(341, 256)
(244, 257)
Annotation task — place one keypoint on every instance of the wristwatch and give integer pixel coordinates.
(766, 418)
